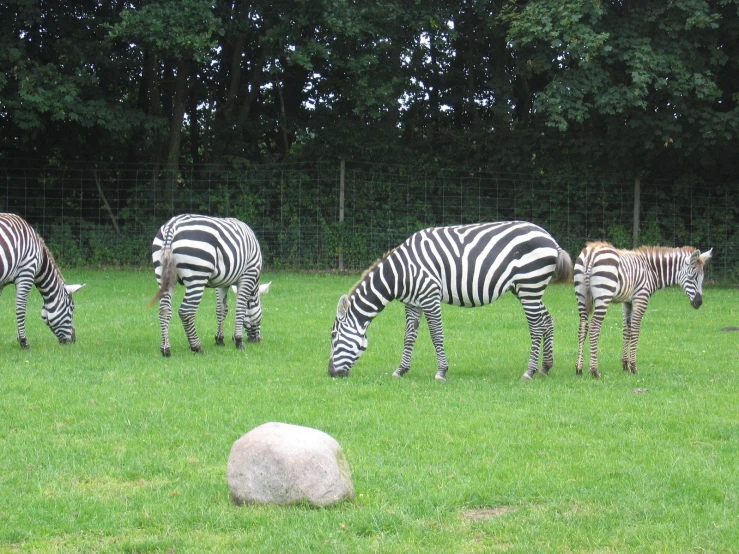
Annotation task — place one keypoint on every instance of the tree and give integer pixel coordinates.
(171, 37)
(61, 80)
(640, 82)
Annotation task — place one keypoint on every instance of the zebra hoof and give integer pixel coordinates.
(595, 373)
(398, 373)
(197, 349)
(239, 343)
(545, 370)
(254, 339)
(440, 378)
(219, 341)
(166, 352)
(578, 372)
(24, 344)
(527, 376)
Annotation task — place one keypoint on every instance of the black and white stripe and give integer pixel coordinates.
(605, 274)
(201, 251)
(26, 261)
(463, 265)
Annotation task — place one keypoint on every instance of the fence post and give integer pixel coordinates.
(637, 200)
(342, 169)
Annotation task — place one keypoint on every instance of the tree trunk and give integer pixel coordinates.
(179, 103)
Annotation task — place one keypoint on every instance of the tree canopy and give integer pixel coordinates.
(539, 85)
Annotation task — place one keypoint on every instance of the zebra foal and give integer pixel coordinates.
(26, 261)
(201, 251)
(463, 265)
(605, 274)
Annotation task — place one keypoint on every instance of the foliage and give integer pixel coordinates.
(651, 76)
(183, 29)
(510, 85)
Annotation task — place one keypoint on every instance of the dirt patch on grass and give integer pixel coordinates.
(482, 514)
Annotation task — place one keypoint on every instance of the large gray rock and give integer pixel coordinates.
(278, 463)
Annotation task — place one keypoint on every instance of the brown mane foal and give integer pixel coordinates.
(605, 274)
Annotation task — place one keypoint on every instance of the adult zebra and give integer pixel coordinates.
(201, 251)
(463, 265)
(26, 261)
(605, 274)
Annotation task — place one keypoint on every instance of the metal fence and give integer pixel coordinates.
(107, 216)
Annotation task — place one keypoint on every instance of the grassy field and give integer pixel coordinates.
(108, 447)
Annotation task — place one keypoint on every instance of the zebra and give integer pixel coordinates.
(201, 251)
(605, 274)
(26, 261)
(464, 265)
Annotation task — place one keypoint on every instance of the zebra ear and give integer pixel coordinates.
(343, 307)
(705, 256)
(694, 256)
(264, 289)
(71, 289)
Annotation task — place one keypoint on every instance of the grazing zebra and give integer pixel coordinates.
(26, 261)
(604, 274)
(463, 265)
(200, 251)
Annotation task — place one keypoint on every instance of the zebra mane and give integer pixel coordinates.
(367, 271)
(659, 251)
(49, 255)
(652, 251)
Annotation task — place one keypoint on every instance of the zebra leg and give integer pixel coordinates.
(412, 322)
(22, 289)
(165, 315)
(221, 312)
(187, 311)
(433, 317)
(536, 316)
(241, 301)
(599, 314)
(548, 343)
(582, 330)
(638, 313)
(627, 336)
(582, 333)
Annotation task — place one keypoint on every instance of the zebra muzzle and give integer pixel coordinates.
(697, 301)
(336, 373)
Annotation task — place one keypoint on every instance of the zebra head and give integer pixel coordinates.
(348, 339)
(57, 313)
(253, 315)
(690, 276)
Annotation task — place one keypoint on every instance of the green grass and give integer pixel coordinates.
(108, 447)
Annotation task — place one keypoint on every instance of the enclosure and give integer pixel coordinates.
(108, 216)
(108, 447)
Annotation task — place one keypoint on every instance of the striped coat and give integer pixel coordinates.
(604, 274)
(26, 261)
(202, 251)
(462, 265)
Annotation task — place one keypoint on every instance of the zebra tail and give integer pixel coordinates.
(563, 269)
(169, 275)
(587, 297)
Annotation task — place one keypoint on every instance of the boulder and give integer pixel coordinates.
(278, 463)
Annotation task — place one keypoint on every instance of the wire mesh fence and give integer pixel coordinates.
(108, 216)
